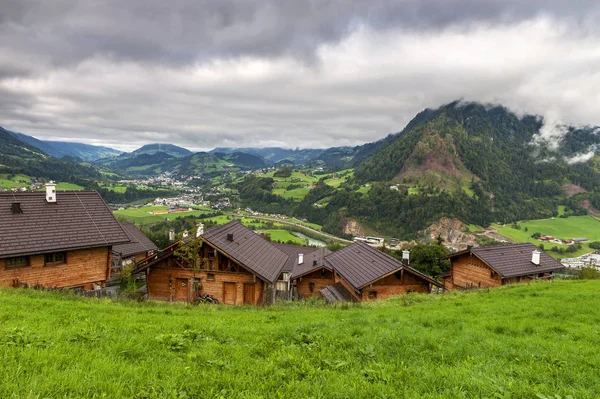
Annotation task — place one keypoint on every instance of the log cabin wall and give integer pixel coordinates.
(82, 268)
(317, 280)
(394, 285)
(468, 271)
(214, 283)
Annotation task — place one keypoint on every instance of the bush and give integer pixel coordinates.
(589, 273)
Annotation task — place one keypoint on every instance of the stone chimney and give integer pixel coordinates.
(535, 257)
(51, 192)
(300, 259)
(171, 235)
(406, 256)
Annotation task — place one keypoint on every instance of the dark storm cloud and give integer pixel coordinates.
(276, 72)
(184, 31)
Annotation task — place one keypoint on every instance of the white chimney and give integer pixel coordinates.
(51, 192)
(200, 230)
(185, 234)
(171, 235)
(300, 259)
(406, 256)
(535, 257)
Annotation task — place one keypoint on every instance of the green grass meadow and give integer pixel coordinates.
(530, 341)
(567, 228)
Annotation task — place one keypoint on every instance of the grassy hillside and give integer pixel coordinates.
(566, 228)
(513, 342)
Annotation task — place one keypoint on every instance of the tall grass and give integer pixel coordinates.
(513, 342)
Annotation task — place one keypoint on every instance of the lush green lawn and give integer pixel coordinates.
(513, 342)
(572, 227)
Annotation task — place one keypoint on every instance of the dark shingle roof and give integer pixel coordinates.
(249, 249)
(515, 260)
(138, 242)
(292, 251)
(337, 293)
(78, 219)
(312, 261)
(360, 264)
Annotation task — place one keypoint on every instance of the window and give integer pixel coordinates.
(311, 287)
(210, 277)
(20, 261)
(494, 274)
(372, 294)
(323, 271)
(56, 258)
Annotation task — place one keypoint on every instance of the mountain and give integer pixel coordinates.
(59, 149)
(473, 162)
(169, 149)
(17, 156)
(157, 158)
(275, 154)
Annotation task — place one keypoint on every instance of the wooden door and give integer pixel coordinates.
(249, 293)
(181, 289)
(229, 293)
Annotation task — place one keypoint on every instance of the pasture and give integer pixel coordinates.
(529, 341)
(565, 228)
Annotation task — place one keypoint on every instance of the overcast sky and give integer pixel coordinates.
(286, 72)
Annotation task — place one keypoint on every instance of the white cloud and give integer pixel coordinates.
(357, 90)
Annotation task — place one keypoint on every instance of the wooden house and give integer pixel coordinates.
(498, 265)
(138, 248)
(235, 266)
(311, 273)
(298, 257)
(57, 239)
(358, 272)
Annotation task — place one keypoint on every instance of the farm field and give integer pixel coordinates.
(283, 236)
(17, 180)
(68, 187)
(528, 341)
(140, 216)
(571, 227)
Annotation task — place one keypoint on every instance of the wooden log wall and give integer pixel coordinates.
(469, 271)
(82, 268)
(319, 281)
(158, 284)
(394, 285)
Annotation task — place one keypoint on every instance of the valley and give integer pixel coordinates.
(467, 162)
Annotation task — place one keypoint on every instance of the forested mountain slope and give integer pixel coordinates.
(19, 157)
(472, 162)
(59, 149)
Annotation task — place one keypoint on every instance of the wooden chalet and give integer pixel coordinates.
(57, 239)
(237, 267)
(499, 265)
(358, 272)
(298, 258)
(138, 248)
(312, 274)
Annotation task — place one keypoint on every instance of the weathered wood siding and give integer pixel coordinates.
(317, 278)
(394, 285)
(83, 267)
(469, 271)
(157, 282)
